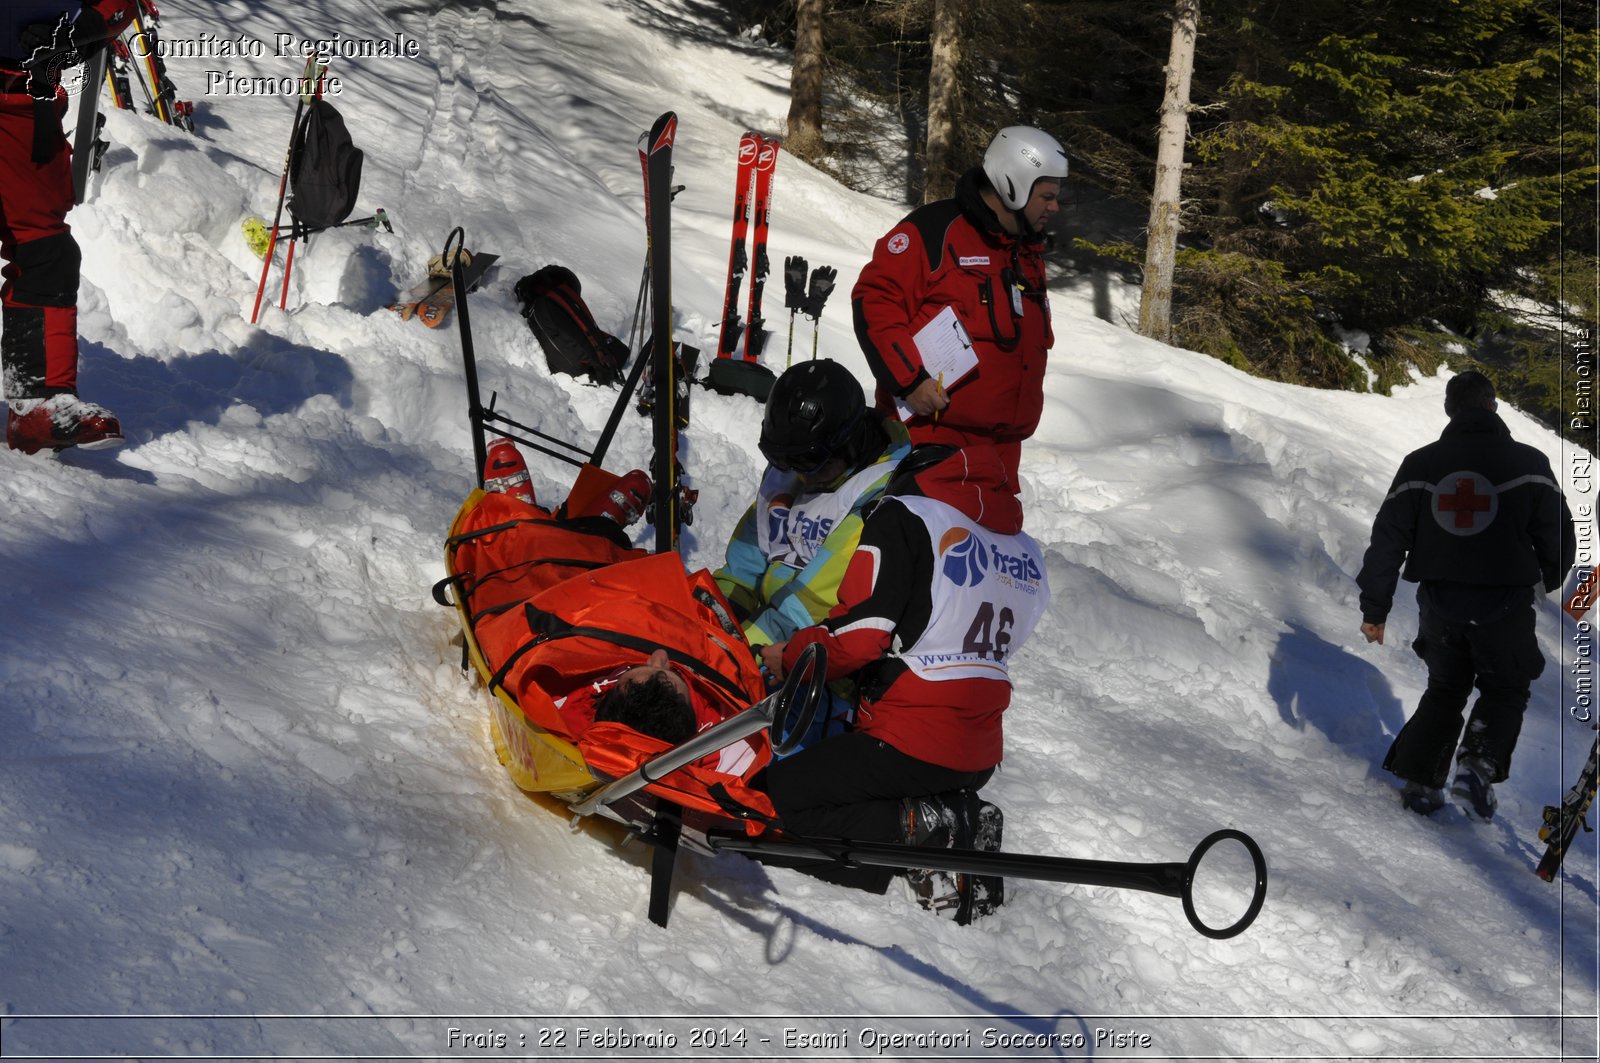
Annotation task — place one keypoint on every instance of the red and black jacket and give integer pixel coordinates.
(886, 608)
(92, 25)
(36, 95)
(955, 253)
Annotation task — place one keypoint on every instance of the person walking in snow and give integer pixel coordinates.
(1478, 520)
(938, 597)
(981, 255)
(39, 297)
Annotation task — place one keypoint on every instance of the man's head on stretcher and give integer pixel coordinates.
(652, 698)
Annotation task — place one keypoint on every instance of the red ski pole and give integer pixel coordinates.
(314, 68)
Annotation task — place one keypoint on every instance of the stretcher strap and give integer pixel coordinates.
(551, 627)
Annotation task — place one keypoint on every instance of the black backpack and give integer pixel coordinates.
(552, 303)
(326, 172)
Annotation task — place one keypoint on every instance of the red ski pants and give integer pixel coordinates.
(39, 296)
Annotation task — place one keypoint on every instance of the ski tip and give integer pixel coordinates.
(663, 133)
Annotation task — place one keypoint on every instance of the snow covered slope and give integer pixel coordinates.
(246, 787)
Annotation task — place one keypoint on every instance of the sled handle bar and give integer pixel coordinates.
(1258, 895)
(797, 699)
(1169, 880)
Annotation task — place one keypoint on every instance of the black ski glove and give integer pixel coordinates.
(794, 283)
(821, 287)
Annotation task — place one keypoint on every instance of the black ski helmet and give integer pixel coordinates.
(813, 415)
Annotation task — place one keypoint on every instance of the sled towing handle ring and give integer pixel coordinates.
(798, 701)
(1185, 888)
(456, 240)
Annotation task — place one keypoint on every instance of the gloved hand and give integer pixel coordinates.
(821, 287)
(794, 283)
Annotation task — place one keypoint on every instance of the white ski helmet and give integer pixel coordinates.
(1018, 156)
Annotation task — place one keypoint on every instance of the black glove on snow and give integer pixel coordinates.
(794, 283)
(821, 287)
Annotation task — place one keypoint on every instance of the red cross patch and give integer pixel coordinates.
(1465, 503)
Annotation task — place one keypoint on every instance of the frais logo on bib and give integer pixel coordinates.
(963, 559)
(778, 519)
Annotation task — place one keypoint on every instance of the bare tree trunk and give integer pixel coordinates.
(1155, 305)
(805, 82)
(939, 170)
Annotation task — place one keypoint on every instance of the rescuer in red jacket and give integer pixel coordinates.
(39, 299)
(981, 254)
(941, 592)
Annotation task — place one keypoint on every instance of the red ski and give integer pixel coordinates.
(738, 260)
(755, 334)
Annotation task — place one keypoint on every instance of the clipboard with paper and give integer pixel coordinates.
(947, 353)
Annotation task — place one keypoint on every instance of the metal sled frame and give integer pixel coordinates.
(788, 713)
(481, 416)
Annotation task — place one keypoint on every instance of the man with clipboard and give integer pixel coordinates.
(951, 311)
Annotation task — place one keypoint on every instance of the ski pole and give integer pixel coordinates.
(288, 265)
(283, 183)
(296, 229)
(634, 374)
(378, 220)
(794, 297)
(277, 217)
(822, 279)
(480, 448)
(639, 365)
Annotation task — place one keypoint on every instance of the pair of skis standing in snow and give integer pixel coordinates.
(757, 163)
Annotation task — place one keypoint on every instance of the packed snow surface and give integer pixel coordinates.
(251, 807)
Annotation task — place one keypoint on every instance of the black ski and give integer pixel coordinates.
(163, 95)
(121, 58)
(657, 151)
(1561, 822)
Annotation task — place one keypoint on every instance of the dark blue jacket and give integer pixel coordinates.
(1475, 509)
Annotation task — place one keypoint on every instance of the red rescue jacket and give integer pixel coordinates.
(955, 253)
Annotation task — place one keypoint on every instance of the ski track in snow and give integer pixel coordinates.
(245, 775)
